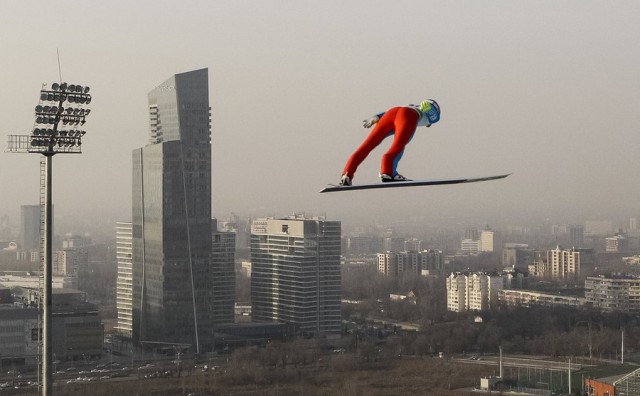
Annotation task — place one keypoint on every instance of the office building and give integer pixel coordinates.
(171, 219)
(223, 249)
(18, 335)
(517, 256)
(76, 326)
(576, 236)
(295, 273)
(124, 281)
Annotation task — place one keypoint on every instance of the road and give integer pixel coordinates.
(523, 362)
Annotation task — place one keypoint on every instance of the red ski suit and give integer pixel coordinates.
(398, 121)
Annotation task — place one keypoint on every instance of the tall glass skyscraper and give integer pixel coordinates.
(171, 219)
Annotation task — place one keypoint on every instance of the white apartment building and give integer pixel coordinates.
(486, 240)
(527, 298)
(456, 292)
(475, 291)
(563, 263)
(613, 293)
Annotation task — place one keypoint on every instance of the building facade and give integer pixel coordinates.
(30, 227)
(18, 335)
(427, 262)
(486, 240)
(171, 218)
(517, 256)
(563, 263)
(576, 235)
(223, 249)
(470, 246)
(527, 298)
(295, 273)
(473, 291)
(124, 281)
(609, 293)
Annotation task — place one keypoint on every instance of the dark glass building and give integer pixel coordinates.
(171, 222)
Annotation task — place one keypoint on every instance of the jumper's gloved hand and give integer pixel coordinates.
(369, 122)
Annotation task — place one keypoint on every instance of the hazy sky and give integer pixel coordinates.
(548, 90)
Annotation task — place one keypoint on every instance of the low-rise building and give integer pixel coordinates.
(618, 385)
(18, 335)
(527, 298)
(76, 325)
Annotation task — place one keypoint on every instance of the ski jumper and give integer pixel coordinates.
(399, 122)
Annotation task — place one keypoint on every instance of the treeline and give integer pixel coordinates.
(538, 330)
(542, 330)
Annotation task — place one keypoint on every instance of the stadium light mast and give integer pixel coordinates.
(48, 139)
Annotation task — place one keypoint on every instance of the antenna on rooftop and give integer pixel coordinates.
(59, 68)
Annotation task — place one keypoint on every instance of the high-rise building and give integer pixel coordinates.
(295, 273)
(30, 227)
(517, 256)
(124, 281)
(616, 244)
(563, 263)
(223, 249)
(475, 291)
(427, 262)
(72, 262)
(486, 240)
(171, 219)
(576, 235)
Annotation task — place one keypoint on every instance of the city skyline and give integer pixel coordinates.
(533, 89)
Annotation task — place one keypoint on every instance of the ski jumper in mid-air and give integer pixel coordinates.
(401, 122)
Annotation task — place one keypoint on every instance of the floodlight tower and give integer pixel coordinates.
(47, 139)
